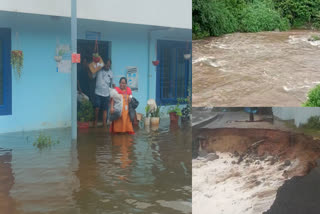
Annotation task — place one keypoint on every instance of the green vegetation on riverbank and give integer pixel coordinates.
(218, 17)
(313, 97)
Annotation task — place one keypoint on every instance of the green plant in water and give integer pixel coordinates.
(44, 141)
(186, 112)
(176, 109)
(147, 109)
(17, 61)
(313, 98)
(85, 113)
(156, 113)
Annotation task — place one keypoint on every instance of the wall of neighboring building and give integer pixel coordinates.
(176, 14)
(300, 115)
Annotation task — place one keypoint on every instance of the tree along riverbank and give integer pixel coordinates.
(218, 17)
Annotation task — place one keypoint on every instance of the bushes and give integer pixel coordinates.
(85, 113)
(217, 17)
(300, 12)
(316, 21)
(221, 20)
(261, 16)
(313, 98)
(313, 123)
(211, 17)
(198, 32)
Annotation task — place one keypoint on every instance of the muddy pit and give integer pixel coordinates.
(241, 170)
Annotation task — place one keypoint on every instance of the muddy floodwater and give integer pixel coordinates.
(255, 171)
(255, 69)
(146, 173)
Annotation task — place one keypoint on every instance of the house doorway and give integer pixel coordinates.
(85, 81)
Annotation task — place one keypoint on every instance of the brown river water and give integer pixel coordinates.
(255, 69)
(146, 173)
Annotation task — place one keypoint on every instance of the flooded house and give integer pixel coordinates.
(146, 40)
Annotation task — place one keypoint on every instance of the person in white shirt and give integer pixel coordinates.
(102, 92)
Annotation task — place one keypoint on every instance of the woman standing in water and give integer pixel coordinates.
(123, 124)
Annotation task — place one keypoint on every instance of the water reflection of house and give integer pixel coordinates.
(6, 181)
(131, 33)
(45, 177)
(148, 161)
(123, 143)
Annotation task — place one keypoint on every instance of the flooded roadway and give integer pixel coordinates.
(146, 173)
(255, 69)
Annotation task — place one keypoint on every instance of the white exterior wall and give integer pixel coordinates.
(167, 13)
(300, 115)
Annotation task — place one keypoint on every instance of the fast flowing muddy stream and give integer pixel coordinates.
(255, 171)
(146, 173)
(255, 69)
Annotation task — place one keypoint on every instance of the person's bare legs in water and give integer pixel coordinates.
(97, 116)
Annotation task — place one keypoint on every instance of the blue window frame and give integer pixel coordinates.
(173, 71)
(5, 72)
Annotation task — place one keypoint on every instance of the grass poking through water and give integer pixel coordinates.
(44, 141)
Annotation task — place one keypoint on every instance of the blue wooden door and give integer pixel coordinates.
(5, 72)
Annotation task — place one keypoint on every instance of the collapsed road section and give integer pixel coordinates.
(249, 170)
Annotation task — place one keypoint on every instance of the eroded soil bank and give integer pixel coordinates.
(261, 143)
(241, 170)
